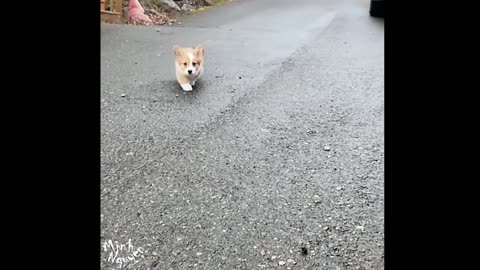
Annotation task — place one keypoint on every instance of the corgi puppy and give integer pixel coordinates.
(188, 65)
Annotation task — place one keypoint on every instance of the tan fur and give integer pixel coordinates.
(188, 59)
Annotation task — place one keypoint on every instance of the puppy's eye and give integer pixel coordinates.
(185, 64)
(194, 64)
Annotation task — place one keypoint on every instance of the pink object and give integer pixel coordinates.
(136, 12)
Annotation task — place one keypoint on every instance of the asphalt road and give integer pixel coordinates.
(277, 154)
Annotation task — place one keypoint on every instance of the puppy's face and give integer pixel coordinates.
(189, 61)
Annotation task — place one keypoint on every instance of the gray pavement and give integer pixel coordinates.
(277, 154)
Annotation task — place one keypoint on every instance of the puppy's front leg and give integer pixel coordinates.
(184, 83)
(186, 87)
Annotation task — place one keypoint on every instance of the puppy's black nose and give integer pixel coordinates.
(189, 71)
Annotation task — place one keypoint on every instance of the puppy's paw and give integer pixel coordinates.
(186, 87)
(193, 82)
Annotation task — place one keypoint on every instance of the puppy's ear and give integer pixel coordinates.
(199, 50)
(177, 50)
